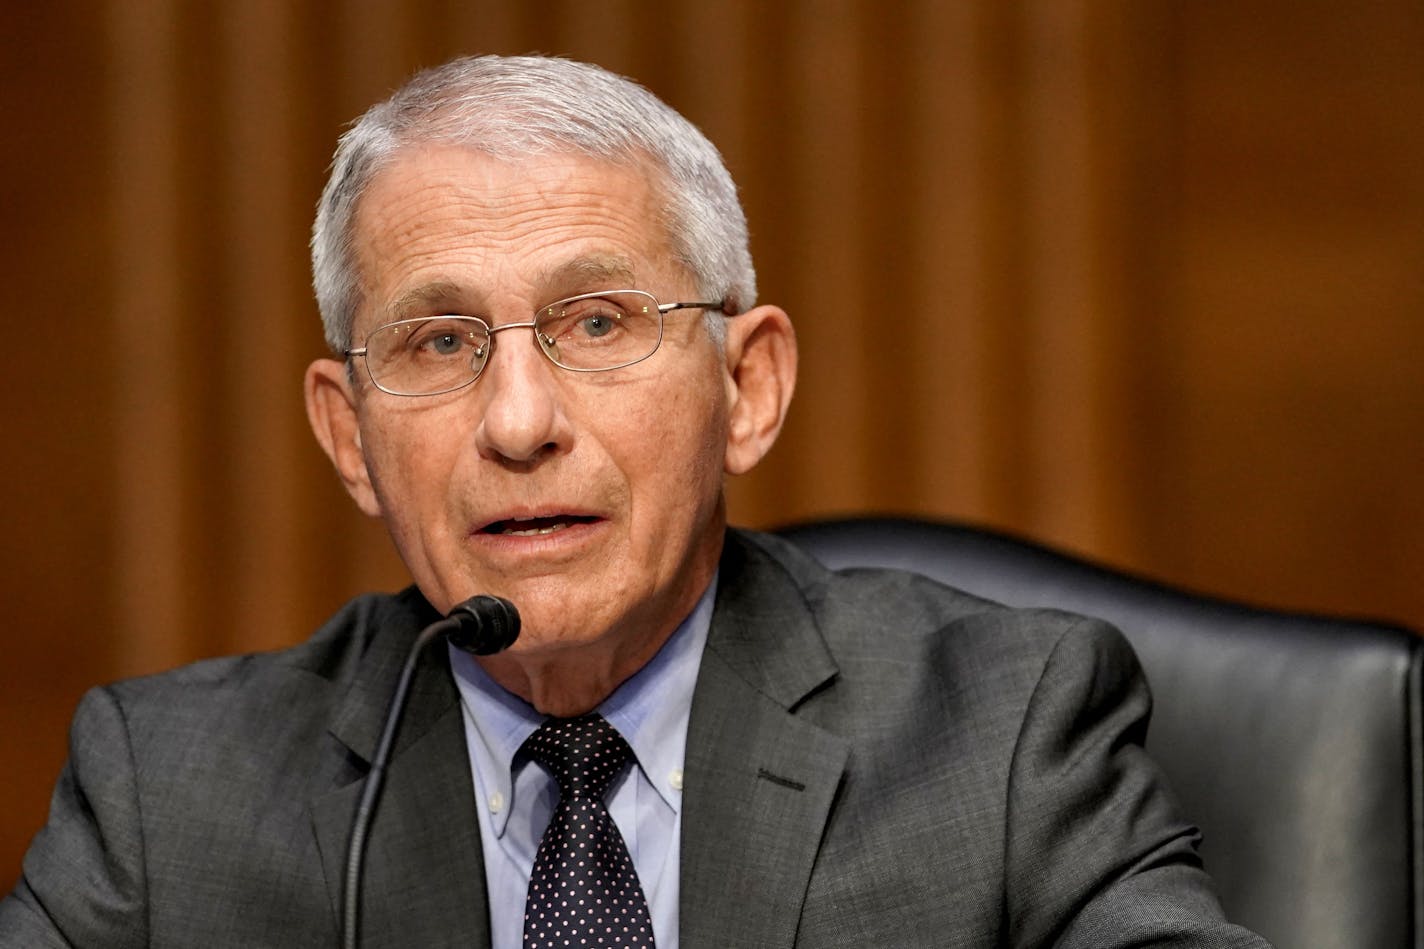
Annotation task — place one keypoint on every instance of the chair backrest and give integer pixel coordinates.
(1293, 741)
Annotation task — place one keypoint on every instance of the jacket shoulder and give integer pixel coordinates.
(870, 606)
(248, 705)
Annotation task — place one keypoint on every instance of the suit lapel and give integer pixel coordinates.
(424, 873)
(759, 781)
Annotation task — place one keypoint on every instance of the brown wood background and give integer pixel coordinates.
(1143, 279)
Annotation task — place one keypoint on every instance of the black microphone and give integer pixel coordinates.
(487, 624)
(481, 625)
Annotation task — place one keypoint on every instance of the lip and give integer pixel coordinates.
(535, 526)
(549, 517)
(546, 532)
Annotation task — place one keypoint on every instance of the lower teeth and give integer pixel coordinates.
(535, 531)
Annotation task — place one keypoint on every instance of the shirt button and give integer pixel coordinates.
(675, 779)
(496, 802)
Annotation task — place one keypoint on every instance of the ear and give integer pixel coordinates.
(331, 410)
(760, 350)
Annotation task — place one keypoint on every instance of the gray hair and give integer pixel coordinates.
(519, 107)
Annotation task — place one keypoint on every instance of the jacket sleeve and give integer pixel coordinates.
(1098, 854)
(83, 877)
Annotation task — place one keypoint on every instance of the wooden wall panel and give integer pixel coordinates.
(826, 75)
(58, 359)
(1139, 278)
(955, 246)
(1288, 457)
(1072, 317)
(259, 510)
(153, 461)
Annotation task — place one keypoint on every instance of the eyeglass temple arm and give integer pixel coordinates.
(669, 307)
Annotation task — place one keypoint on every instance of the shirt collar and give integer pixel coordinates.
(650, 710)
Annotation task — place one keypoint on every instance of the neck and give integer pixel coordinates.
(568, 675)
(571, 681)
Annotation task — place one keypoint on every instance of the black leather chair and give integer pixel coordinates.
(1293, 741)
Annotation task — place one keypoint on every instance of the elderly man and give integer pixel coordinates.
(536, 277)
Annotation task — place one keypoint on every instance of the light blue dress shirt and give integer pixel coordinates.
(515, 800)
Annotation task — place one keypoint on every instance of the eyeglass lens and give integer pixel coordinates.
(587, 333)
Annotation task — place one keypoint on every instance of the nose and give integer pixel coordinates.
(522, 410)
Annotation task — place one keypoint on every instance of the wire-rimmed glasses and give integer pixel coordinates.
(591, 332)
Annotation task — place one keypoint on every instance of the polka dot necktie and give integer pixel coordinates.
(583, 890)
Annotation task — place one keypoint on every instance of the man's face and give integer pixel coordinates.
(591, 500)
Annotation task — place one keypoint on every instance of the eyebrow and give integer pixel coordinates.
(575, 275)
(578, 273)
(441, 294)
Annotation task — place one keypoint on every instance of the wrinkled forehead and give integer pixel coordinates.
(437, 216)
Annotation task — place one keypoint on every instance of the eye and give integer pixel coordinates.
(441, 338)
(584, 321)
(598, 324)
(604, 330)
(445, 344)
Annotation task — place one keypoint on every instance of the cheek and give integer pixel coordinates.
(409, 457)
(681, 438)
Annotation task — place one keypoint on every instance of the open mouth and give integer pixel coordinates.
(535, 526)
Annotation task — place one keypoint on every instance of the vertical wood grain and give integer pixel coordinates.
(260, 510)
(151, 413)
(944, 316)
(57, 353)
(824, 72)
(1071, 319)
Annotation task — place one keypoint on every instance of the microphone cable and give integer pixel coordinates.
(481, 625)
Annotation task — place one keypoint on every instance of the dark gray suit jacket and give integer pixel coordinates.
(872, 760)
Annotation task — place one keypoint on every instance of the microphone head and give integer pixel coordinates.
(487, 624)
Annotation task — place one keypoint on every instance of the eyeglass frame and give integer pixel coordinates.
(533, 326)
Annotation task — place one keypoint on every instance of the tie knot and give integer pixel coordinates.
(584, 754)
